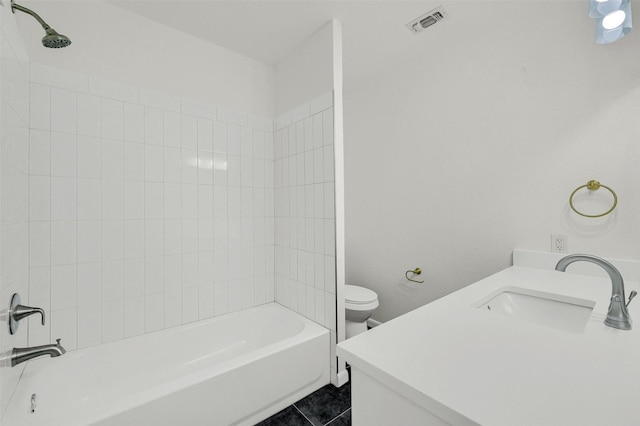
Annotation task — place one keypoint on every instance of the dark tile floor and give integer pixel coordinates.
(326, 406)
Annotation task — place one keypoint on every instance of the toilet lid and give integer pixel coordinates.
(359, 295)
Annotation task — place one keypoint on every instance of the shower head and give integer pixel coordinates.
(55, 40)
(52, 39)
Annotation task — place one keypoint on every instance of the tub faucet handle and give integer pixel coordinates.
(18, 312)
(22, 311)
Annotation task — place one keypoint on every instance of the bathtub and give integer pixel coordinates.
(238, 368)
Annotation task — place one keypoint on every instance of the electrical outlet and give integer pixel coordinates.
(559, 243)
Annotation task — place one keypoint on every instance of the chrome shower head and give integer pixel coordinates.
(55, 40)
(52, 39)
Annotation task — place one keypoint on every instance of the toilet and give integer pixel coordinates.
(360, 303)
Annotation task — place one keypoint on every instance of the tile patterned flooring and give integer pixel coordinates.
(328, 406)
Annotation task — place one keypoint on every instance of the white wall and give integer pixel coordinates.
(14, 201)
(117, 45)
(466, 141)
(146, 211)
(306, 73)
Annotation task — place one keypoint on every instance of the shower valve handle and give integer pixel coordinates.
(18, 312)
(22, 311)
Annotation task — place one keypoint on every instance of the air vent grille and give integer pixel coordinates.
(428, 19)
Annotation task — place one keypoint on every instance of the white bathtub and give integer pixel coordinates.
(234, 369)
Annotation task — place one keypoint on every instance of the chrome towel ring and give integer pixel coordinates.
(594, 185)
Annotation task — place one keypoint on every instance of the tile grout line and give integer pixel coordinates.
(303, 415)
(336, 417)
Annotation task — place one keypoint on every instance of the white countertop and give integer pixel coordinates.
(472, 367)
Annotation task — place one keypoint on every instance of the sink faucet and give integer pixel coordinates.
(617, 315)
(20, 355)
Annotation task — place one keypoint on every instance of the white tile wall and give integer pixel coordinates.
(14, 186)
(305, 262)
(146, 211)
(128, 211)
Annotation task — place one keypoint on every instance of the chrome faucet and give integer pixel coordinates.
(617, 315)
(18, 312)
(20, 355)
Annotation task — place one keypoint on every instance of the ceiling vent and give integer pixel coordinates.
(430, 18)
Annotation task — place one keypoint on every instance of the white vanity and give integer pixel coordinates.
(525, 346)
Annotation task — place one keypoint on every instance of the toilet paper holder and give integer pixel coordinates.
(416, 271)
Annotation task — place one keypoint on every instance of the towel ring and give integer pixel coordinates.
(416, 271)
(594, 185)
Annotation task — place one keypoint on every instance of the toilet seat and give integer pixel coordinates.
(356, 295)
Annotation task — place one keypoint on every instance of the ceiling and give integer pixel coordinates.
(375, 39)
(269, 30)
(264, 30)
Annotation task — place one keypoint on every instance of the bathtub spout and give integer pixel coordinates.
(20, 355)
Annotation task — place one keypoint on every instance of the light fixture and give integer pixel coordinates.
(599, 8)
(613, 19)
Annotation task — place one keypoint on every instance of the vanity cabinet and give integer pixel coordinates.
(548, 359)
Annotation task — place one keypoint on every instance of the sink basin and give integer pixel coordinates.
(547, 309)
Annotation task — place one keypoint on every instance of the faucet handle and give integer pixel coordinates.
(22, 311)
(18, 312)
(631, 296)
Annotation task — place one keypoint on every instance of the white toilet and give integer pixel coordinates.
(360, 303)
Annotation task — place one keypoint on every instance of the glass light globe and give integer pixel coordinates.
(614, 19)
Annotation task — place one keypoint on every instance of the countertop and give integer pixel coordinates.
(472, 367)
